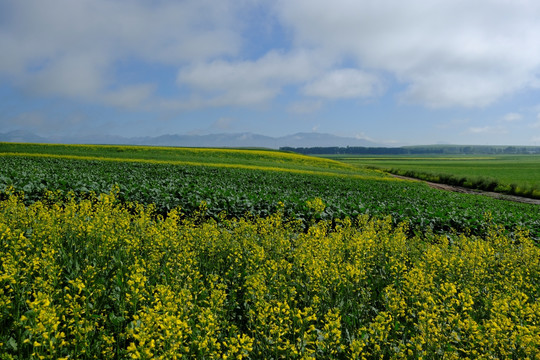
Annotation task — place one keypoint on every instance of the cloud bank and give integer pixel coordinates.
(72, 48)
(440, 53)
(447, 53)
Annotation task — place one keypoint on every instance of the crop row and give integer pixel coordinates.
(238, 192)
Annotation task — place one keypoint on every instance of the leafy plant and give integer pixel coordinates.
(238, 192)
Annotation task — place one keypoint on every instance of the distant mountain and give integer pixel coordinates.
(21, 136)
(322, 140)
(214, 140)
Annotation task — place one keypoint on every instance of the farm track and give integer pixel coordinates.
(465, 190)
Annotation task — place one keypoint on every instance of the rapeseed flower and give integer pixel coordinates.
(97, 279)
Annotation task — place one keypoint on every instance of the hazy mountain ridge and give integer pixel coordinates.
(213, 140)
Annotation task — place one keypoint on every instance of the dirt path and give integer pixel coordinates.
(472, 191)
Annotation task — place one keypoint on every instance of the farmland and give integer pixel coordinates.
(187, 156)
(513, 174)
(127, 252)
(259, 191)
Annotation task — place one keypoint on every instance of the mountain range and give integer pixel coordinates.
(214, 140)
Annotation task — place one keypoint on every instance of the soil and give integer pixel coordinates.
(474, 192)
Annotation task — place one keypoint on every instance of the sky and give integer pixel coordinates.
(390, 71)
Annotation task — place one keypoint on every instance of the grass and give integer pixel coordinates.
(512, 174)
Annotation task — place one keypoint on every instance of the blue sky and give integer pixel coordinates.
(394, 72)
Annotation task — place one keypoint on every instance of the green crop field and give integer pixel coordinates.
(115, 252)
(227, 183)
(514, 174)
(187, 156)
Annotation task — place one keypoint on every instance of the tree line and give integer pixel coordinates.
(414, 150)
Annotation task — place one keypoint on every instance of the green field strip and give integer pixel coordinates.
(405, 158)
(379, 177)
(511, 174)
(204, 155)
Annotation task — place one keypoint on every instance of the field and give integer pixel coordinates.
(512, 174)
(128, 252)
(235, 158)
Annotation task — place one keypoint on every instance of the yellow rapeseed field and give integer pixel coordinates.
(96, 279)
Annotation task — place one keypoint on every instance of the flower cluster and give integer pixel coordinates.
(98, 279)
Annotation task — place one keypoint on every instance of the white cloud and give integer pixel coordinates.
(454, 88)
(70, 48)
(448, 53)
(444, 53)
(344, 83)
(363, 136)
(512, 117)
(80, 75)
(130, 97)
(247, 82)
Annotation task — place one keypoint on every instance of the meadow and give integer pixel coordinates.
(105, 256)
(511, 174)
